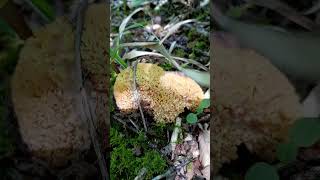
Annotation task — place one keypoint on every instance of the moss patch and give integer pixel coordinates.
(126, 164)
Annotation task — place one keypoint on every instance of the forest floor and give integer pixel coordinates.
(174, 36)
(148, 152)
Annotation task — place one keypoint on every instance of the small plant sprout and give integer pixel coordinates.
(192, 118)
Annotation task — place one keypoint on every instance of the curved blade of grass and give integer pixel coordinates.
(172, 46)
(135, 53)
(160, 48)
(115, 56)
(175, 27)
(191, 61)
(202, 78)
(138, 44)
(125, 22)
(136, 25)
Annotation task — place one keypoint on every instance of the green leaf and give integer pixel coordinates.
(305, 132)
(125, 22)
(287, 152)
(136, 25)
(202, 78)
(192, 118)
(205, 103)
(262, 171)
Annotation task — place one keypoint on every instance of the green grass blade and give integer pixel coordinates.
(115, 56)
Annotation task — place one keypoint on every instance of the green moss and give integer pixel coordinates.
(167, 66)
(203, 14)
(126, 165)
(162, 128)
(198, 45)
(201, 45)
(192, 34)
(179, 52)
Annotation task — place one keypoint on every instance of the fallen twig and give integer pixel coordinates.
(174, 169)
(136, 94)
(141, 174)
(125, 124)
(204, 119)
(134, 124)
(166, 174)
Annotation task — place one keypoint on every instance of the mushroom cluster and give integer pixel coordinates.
(255, 105)
(44, 97)
(163, 94)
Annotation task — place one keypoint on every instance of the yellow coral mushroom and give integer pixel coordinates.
(43, 89)
(44, 96)
(164, 94)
